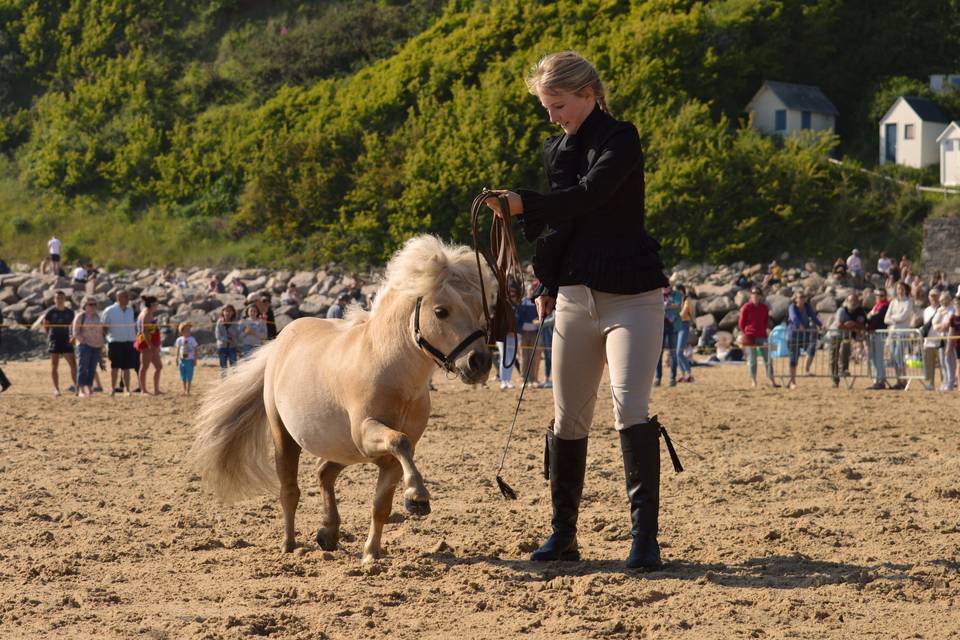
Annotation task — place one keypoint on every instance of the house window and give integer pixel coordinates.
(780, 120)
(948, 145)
(804, 119)
(908, 132)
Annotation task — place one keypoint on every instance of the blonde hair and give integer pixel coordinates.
(566, 71)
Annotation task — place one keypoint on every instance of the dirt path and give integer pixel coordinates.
(815, 513)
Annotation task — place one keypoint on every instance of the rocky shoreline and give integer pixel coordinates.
(184, 295)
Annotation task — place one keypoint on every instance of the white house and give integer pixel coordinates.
(909, 131)
(784, 108)
(949, 142)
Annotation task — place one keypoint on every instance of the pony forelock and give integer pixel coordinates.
(426, 263)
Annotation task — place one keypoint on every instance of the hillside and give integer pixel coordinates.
(222, 131)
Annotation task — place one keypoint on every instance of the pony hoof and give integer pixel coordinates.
(327, 540)
(416, 507)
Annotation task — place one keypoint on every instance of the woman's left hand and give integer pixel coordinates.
(513, 199)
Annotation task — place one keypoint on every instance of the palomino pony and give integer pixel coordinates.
(349, 391)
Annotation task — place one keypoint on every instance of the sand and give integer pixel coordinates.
(813, 513)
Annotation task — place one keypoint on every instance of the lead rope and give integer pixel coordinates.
(501, 256)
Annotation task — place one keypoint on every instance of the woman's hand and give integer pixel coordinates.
(513, 199)
(545, 305)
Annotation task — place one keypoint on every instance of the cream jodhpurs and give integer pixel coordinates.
(593, 328)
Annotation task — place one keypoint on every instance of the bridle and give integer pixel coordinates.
(447, 361)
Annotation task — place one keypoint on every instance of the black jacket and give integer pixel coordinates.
(589, 228)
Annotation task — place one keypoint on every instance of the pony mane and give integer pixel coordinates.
(426, 262)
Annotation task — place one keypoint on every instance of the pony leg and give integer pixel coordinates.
(390, 474)
(287, 456)
(376, 440)
(329, 534)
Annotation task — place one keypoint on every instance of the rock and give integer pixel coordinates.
(206, 304)
(826, 319)
(827, 304)
(8, 295)
(31, 314)
(705, 321)
(36, 285)
(314, 305)
(714, 290)
(282, 320)
(303, 281)
(257, 283)
(779, 304)
(718, 306)
(741, 297)
(813, 282)
(291, 310)
(729, 321)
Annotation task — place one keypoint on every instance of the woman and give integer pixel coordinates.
(253, 331)
(228, 337)
(899, 321)
(803, 326)
(602, 272)
(148, 344)
(88, 336)
(683, 335)
(931, 342)
(940, 328)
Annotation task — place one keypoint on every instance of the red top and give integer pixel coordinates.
(753, 321)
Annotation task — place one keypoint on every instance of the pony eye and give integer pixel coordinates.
(440, 312)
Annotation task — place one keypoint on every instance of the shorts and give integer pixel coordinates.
(59, 346)
(186, 370)
(123, 355)
(55, 257)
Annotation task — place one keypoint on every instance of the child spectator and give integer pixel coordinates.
(186, 347)
(253, 331)
(291, 295)
(227, 333)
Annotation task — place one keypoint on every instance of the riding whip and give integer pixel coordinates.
(505, 489)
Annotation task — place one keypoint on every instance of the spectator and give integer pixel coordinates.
(80, 275)
(507, 348)
(266, 312)
(953, 338)
(840, 269)
(940, 328)
(848, 325)
(253, 331)
(291, 295)
(356, 293)
(53, 248)
(900, 319)
(4, 381)
(88, 335)
(527, 326)
(855, 266)
(876, 325)
(57, 322)
(803, 327)
(148, 344)
(215, 286)
(119, 323)
(884, 264)
(774, 275)
(227, 333)
(186, 348)
(906, 267)
(742, 280)
(335, 312)
(240, 287)
(4, 267)
(683, 335)
(753, 322)
(671, 321)
(931, 342)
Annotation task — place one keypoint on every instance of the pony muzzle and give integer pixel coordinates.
(474, 366)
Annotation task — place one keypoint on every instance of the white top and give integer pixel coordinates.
(928, 314)
(854, 264)
(941, 321)
(79, 273)
(186, 347)
(120, 324)
(54, 245)
(900, 314)
(883, 265)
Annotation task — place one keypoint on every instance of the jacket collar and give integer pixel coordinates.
(591, 124)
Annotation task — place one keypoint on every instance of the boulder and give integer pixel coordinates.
(705, 321)
(741, 297)
(8, 295)
(826, 304)
(31, 314)
(36, 285)
(315, 305)
(779, 304)
(256, 283)
(813, 282)
(729, 321)
(206, 304)
(291, 310)
(303, 281)
(282, 320)
(15, 311)
(714, 290)
(719, 306)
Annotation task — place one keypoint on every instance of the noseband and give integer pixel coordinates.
(443, 361)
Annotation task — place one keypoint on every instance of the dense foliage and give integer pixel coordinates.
(311, 131)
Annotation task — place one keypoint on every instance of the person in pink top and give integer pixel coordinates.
(754, 321)
(88, 335)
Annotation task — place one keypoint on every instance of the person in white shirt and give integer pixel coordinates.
(79, 275)
(884, 264)
(939, 328)
(120, 325)
(854, 266)
(899, 319)
(186, 348)
(931, 343)
(53, 248)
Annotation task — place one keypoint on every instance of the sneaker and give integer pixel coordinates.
(656, 383)
(547, 384)
(505, 385)
(98, 389)
(673, 383)
(72, 389)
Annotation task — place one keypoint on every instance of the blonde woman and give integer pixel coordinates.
(602, 272)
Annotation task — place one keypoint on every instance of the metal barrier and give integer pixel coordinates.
(848, 355)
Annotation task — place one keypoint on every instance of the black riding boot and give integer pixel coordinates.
(4, 383)
(566, 466)
(641, 465)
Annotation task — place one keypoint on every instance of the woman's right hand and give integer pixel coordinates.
(545, 306)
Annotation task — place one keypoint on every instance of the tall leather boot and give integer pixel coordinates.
(641, 465)
(566, 465)
(4, 383)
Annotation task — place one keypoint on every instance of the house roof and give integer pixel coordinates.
(801, 97)
(926, 108)
(953, 127)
